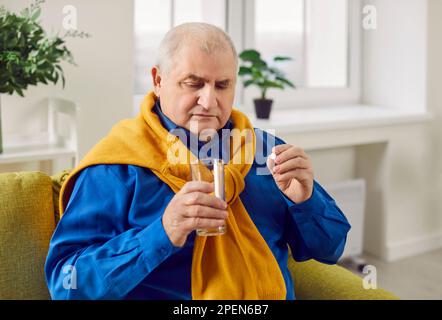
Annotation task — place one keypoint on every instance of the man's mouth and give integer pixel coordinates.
(203, 115)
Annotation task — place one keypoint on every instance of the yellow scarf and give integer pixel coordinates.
(236, 265)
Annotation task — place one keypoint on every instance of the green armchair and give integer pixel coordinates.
(29, 214)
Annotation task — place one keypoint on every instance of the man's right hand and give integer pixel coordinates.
(193, 208)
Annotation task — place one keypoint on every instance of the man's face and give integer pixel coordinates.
(198, 88)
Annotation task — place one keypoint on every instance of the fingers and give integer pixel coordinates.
(202, 223)
(298, 174)
(280, 148)
(204, 199)
(193, 208)
(194, 186)
(291, 164)
(290, 158)
(198, 211)
(285, 152)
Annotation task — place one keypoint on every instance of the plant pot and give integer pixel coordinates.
(263, 108)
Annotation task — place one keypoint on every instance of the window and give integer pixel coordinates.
(213, 11)
(322, 37)
(151, 28)
(326, 43)
(314, 33)
(281, 32)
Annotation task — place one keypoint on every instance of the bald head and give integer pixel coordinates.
(207, 37)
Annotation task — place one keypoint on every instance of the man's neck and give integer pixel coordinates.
(193, 142)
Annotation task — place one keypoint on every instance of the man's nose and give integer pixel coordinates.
(207, 98)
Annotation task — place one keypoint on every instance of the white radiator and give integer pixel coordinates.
(350, 198)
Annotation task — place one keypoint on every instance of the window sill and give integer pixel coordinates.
(335, 118)
(36, 147)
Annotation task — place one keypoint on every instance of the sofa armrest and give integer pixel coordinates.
(317, 281)
(57, 182)
(26, 227)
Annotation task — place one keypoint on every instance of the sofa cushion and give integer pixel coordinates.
(26, 226)
(317, 281)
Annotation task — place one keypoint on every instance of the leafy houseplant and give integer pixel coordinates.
(27, 55)
(256, 71)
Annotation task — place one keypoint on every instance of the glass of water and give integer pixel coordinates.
(210, 170)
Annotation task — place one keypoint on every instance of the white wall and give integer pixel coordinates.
(403, 169)
(400, 70)
(434, 99)
(101, 85)
(394, 55)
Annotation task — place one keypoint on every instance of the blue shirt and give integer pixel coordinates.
(111, 243)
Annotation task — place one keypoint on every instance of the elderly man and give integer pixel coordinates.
(130, 210)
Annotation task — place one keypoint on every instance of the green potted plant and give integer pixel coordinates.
(255, 71)
(27, 55)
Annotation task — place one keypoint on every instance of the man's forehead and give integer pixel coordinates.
(214, 66)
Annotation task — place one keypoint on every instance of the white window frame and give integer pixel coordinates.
(240, 26)
(138, 97)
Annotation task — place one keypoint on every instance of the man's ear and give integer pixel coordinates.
(156, 80)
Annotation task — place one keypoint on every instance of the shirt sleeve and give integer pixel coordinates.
(95, 252)
(317, 228)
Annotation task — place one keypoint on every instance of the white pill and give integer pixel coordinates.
(271, 164)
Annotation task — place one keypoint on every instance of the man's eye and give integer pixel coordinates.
(222, 85)
(193, 84)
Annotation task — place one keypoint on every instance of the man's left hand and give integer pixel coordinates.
(292, 171)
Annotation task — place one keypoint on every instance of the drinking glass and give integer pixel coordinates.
(210, 170)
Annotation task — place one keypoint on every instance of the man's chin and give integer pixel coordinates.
(206, 133)
(204, 127)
